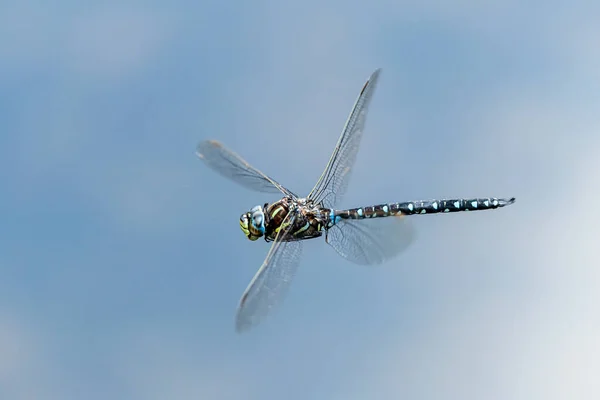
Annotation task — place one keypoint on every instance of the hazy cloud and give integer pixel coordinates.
(122, 259)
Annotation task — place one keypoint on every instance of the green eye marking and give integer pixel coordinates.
(244, 227)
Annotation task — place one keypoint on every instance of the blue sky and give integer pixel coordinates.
(121, 259)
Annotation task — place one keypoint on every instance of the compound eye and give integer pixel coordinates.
(258, 220)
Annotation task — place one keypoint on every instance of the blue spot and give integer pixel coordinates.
(260, 228)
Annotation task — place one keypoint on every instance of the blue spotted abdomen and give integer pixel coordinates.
(423, 207)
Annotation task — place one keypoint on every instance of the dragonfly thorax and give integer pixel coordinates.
(253, 223)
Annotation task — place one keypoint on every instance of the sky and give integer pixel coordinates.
(121, 257)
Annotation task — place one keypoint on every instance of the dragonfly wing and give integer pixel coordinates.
(270, 284)
(332, 184)
(371, 241)
(232, 166)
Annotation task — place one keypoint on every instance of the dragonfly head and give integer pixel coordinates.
(253, 223)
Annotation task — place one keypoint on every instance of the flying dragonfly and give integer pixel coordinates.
(364, 235)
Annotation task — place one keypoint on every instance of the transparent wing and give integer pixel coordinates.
(270, 284)
(332, 184)
(232, 166)
(371, 241)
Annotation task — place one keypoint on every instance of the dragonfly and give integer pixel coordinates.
(364, 235)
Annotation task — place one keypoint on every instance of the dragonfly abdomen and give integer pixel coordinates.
(423, 207)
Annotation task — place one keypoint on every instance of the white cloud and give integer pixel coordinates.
(158, 365)
(26, 370)
(15, 349)
(80, 51)
(316, 59)
(25, 33)
(115, 41)
(537, 337)
(97, 42)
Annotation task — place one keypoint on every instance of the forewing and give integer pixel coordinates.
(232, 166)
(371, 241)
(271, 283)
(332, 184)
